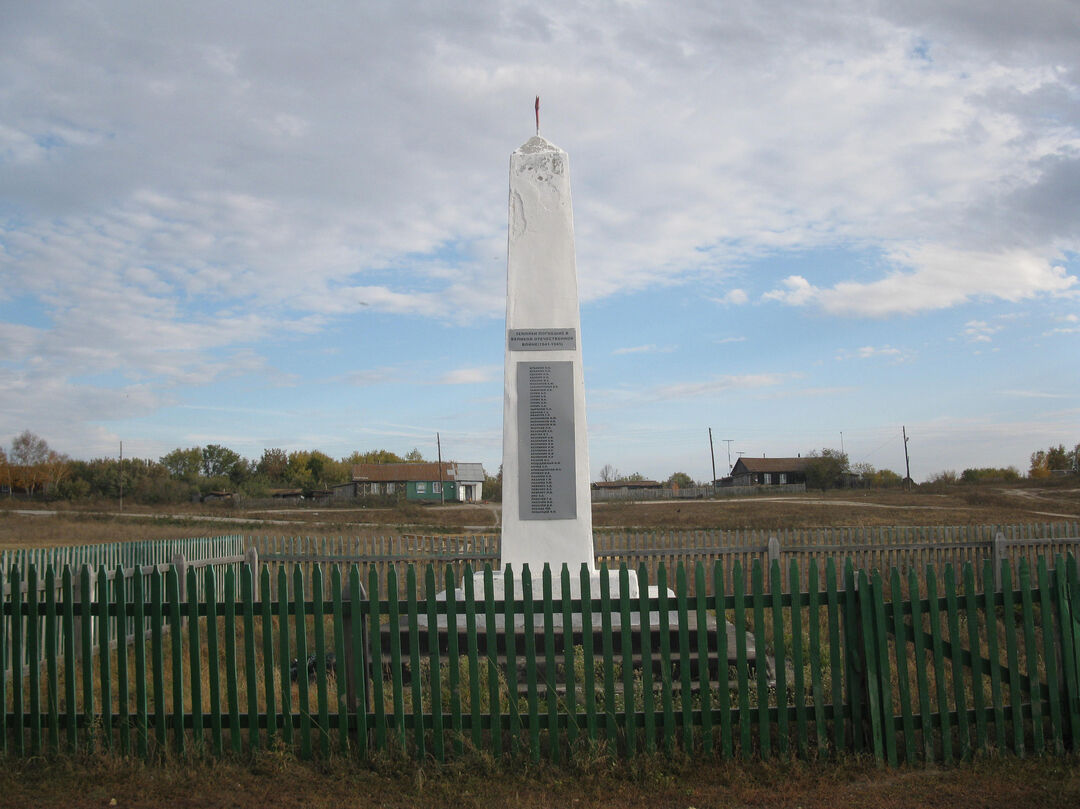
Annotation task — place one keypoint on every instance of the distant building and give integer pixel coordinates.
(289, 495)
(219, 497)
(767, 471)
(421, 482)
(628, 485)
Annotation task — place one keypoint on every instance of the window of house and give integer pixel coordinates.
(390, 488)
(436, 487)
(783, 478)
(768, 478)
(421, 487)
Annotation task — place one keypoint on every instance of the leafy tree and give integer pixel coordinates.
(863, 470)
(825, 469)
(299, 473)
(219, 461)
(413, 456)
(184, 464)
(885, 479)
(680, 480)
(55, 469)
(273, 465)
(989, 474)
(493, 486)
(325, 471)
(946, 477)
(372, 456)
(1045, 462)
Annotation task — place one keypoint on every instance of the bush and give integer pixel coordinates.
(989, 474)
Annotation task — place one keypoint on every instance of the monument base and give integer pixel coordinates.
(498, 591)
(499, 586)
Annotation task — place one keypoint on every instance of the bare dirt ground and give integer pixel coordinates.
(271, 780)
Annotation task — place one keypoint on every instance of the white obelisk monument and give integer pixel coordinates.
(547, 514)
(547, 506)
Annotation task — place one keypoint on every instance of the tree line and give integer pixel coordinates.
(32, 468)
(832, 469)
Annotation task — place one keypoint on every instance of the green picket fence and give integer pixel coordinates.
(134, 558)
(905, 668)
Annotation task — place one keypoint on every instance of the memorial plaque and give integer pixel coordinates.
(547, 485)
(542, 339)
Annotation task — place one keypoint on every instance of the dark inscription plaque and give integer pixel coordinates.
(547, 483)
(542, 339)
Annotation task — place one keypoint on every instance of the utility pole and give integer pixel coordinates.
(712, 455)
(907, 460)
(438, 449)
(842, 443)
(728, 442)
(121, 476)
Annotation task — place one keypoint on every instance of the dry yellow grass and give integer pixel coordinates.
(67, 524)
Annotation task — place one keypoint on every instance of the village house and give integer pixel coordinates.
(420, 482)
(767, 471)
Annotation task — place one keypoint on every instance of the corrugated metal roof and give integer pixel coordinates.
(470, 472)
(398, 472)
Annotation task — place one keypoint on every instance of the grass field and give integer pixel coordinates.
(592, 779)
(42, 524)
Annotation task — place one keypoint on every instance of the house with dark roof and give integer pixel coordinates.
(427, 482)
(768, 471)
(627, 485)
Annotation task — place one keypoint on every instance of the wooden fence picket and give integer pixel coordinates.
(232, 693)
(435, 666)
(903, 664)
(1046, 619)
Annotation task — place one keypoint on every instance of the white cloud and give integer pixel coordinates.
(938, 277)
(873, 352)
(979, 331)
(1073, 326)
(468, 376)
(717, 385)
(797, 291)
(646, 349)
(735, 297)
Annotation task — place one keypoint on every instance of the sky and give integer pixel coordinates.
(800, 224)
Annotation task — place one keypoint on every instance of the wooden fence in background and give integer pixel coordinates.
(922, 667)
(904, 547)
(694, 492)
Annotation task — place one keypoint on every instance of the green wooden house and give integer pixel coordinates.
(424, 482)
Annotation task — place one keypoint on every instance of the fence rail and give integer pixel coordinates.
(124, 561)
(695, 492)
(908, 668)
(904, 547)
